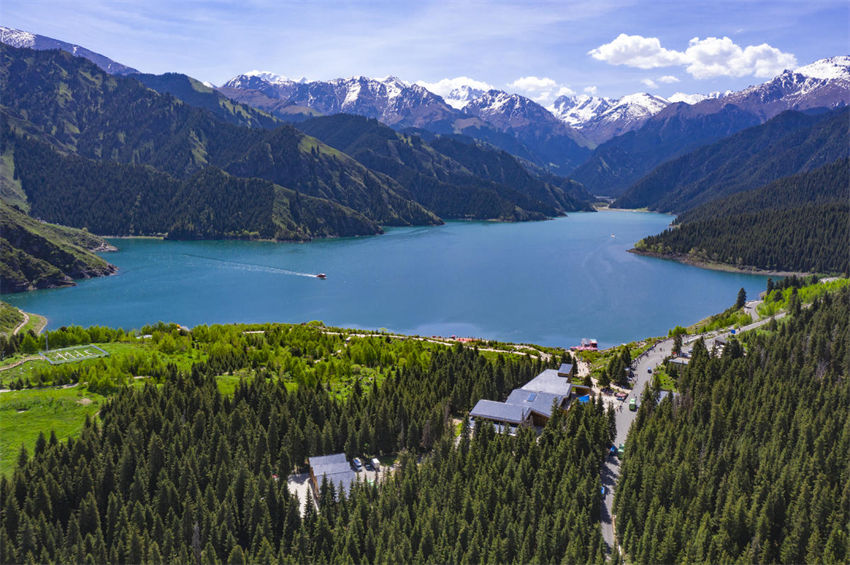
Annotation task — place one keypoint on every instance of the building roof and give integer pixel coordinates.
(564, 369)
(549, 381)
(500, 411)
(680, 360)
(335, 467)
(539, 402)
(327, 460)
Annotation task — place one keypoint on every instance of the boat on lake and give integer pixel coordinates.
(321, 276)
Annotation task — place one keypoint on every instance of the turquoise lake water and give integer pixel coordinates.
(551, 282)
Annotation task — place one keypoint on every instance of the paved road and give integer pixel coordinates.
(751, 308)
(611, 471)
(650, 360)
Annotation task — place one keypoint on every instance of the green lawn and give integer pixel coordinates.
(664, 379)
(10, 317)
(25, 413)
(36, 323)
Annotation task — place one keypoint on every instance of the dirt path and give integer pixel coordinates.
(532, 352)
(23, 323)
(21, 362)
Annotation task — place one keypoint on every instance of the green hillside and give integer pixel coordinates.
(70, 103)
(118, 199)
(197, 94)
(454, 179)
(799, 223)
(40, 255)
(791, 142)
(752, 462)
(203, 458)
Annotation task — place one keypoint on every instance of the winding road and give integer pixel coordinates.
(642, 366)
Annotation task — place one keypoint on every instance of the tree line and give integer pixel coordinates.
(178, 472)
(752, 463)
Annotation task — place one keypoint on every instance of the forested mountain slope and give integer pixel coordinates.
(798, 223)
(752, 462)
(139, 486)
(618, 163)
(73, 105)
(197, 94)
(34, 254)
(454, 179)
(77, 107)
(121, 199)
(791, 142)
(827, 183)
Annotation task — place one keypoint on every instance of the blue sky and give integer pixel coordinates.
(539, 48)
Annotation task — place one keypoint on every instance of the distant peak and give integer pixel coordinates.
(267, 76)
(827, 69)
(16, 37)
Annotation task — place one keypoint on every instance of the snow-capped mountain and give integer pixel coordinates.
(512, 122)
(556, 143)
(389, 100)
(581, 109)
(600, 119)
(822, 84)
(459, 97)
(19, 38)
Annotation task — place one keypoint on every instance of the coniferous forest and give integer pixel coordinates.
(752, 463)
(797, 223)
(180, 473)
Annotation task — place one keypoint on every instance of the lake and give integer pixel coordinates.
(550, 283)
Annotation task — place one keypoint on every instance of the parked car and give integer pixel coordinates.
(633, 404)
(368, 464)
(358, 465)
(376, 464)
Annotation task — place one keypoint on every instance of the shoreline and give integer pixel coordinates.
(712, 266)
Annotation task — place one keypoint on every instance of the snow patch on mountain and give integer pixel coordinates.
(16, 37)
(694, 98)
(833, 68)
(457, 92)
(599, 118)
(267, 76)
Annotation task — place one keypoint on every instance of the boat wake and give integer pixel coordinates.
(253, 267)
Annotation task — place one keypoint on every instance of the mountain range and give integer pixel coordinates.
(19, 38)
(562, 138)
(103, 147)
(167, 155)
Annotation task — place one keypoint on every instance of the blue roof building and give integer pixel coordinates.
(337, 470)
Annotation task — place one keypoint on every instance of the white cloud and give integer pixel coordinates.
(713, 57)
(704, 58)
(636, 51)
(668, 79)
(444, 86)
(650, 83)
(542, 90)
(591, 90)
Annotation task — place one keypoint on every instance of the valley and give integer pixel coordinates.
(425, 318)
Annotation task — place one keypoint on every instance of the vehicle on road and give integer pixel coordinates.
(621, 450)
(633, 404)
(649, 371)
(604, 490)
